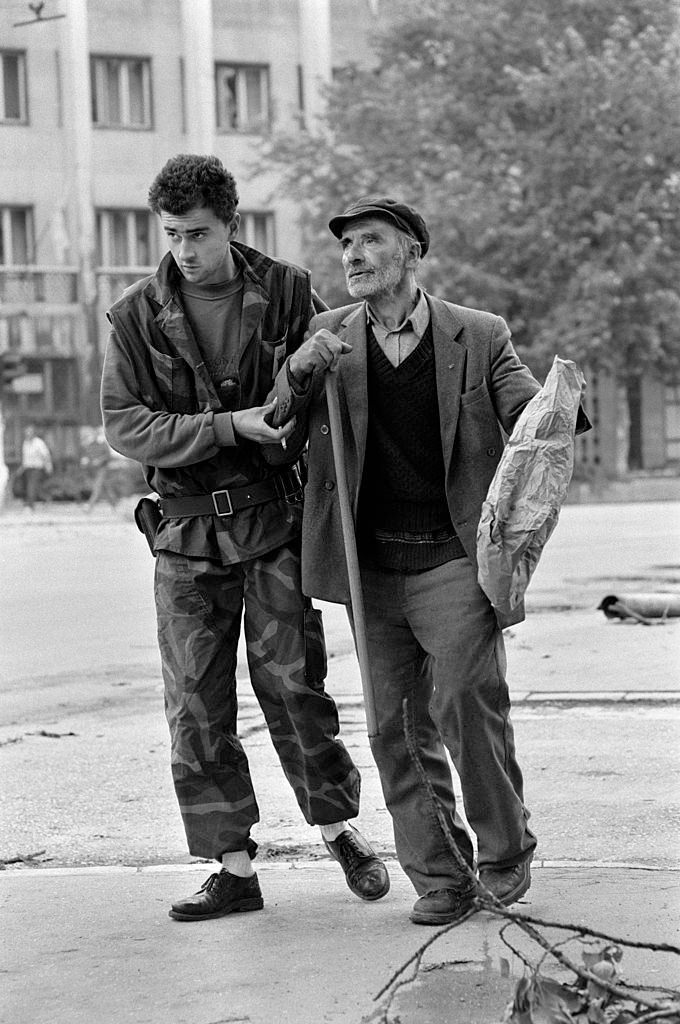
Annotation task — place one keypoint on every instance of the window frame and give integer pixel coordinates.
(671, 418)
(248, 229)
(22, 82)
(7, 232)
(58, 399)
(104, 233)
(99, 80)
(243, 126)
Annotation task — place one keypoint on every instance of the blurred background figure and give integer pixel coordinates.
(108, 464)
(4, 468)
(36, 465)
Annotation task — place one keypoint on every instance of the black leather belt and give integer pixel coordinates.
(222, 503)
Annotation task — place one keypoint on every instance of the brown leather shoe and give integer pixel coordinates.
(365, 873)
(507, 884)
(442, 906)
(222, 893)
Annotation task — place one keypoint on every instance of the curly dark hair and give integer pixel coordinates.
(187, 181)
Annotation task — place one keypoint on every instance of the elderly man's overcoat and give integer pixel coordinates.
(482, 387)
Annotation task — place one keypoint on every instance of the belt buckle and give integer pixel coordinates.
(216, 495)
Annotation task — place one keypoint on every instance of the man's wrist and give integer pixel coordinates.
(223, 425)
(297, 376)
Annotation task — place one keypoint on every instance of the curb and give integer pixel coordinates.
(297, 864)
(569, 698)
(595, 697)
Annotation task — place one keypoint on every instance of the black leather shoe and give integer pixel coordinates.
(443, 906)
(507, 884)
(221, 894)
(365, 873)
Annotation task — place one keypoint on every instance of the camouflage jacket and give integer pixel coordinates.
(159, 404)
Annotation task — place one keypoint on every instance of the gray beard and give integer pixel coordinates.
(381, 282)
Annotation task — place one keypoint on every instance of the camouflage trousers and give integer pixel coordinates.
(199, 605)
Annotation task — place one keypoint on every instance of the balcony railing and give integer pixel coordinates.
(112, 282)
(32, 284)
(22, 285)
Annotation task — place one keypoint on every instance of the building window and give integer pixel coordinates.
(13, 107)
(242, 97)
(121, 92)
(125, 238)
(63, 381)
(16, 236)
(49, 388)
(257, 231)
(672, 417)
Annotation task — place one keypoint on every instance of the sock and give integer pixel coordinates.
(238, 863)
(331, 832)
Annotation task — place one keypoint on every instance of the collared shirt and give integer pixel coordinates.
(398, 343)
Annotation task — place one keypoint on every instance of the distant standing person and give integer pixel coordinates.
(36, 464)
(193, 352)
(108, 464)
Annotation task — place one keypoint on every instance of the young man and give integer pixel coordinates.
(192, 354)
(423, 385)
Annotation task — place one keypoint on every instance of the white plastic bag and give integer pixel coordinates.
(526, 494)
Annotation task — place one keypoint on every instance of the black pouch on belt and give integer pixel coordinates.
(316, 664)
(147, 517)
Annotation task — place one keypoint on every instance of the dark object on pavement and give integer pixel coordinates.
(641, 607)
(365, 873)
(222, 893)
(507, 884)
(443, 906)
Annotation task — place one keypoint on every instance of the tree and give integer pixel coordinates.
(592, 233)
(541, 141)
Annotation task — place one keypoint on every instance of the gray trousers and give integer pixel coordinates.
(433, 638)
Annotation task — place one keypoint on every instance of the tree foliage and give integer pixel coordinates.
(541, 141)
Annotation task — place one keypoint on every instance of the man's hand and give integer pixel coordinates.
(320, 352)
(252, 424)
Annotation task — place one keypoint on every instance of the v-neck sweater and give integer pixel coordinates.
(403, 483)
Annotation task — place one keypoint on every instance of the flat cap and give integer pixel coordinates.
(405, 217)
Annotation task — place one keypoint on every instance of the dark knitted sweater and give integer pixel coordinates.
(403, 482)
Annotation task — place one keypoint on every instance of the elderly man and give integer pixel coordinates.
(425, 387)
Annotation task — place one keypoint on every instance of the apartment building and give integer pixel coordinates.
(95, 95)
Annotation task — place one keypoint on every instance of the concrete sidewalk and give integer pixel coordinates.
(95, 946)
(86, 778)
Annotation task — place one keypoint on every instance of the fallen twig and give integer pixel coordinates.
(23, 858)
(590, 980)
(418, 955)
(12, 739)
(669, 1013)
(526, 923)
(657, 947)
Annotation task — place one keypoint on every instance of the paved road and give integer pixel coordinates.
(76, 593)
(84, 759)
(598, 744)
